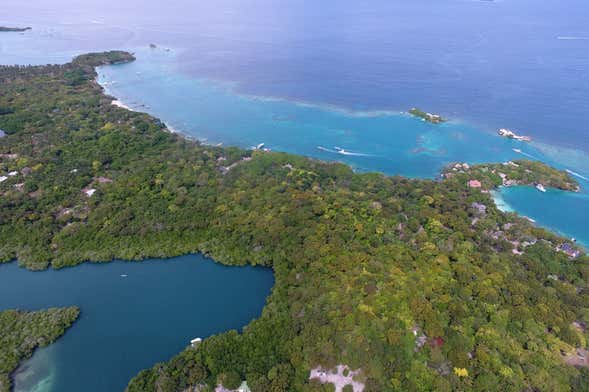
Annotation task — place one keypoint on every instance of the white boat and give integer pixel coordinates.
(517, 150)
(540, 187)
(124, 275)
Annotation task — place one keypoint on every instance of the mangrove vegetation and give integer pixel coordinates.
(414, 285)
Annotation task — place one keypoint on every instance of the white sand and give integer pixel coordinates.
(172, 129)
(242, 388)
(120, 104)
(337, 378)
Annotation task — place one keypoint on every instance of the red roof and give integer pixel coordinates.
(436, 341)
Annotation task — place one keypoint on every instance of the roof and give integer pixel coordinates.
(567, 247)
(474, 184)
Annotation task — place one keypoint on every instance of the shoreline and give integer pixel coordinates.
(488, 127)
(120, 104)
(500, 202)
(549, 153)
(497, 197)
(222, 215)
(503, 206)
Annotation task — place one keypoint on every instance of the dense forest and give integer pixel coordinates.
(417, 285)
(22, 332)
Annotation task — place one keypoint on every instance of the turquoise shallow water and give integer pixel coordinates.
(129, 323)
(564, 212)
(518, 64)
(522, 64)
(388, 142)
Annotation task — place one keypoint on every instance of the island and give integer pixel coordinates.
(512, 135)
(381, 282)
(4, 29)
(22, 332)
(432, 118)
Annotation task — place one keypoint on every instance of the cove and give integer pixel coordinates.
(563, 212)
(133, 314)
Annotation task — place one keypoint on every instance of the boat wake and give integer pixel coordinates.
(341, 151)
(524, 153)
(577, 175)
(572, 38)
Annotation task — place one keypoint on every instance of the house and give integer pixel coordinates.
(569, 250)
(479, 208)
(437, 341)
(474, 184)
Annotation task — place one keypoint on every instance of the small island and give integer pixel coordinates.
(4, 29)
(512, 135)
(432, 118)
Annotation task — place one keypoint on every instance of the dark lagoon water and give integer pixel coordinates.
(129, 323)
(306, 77)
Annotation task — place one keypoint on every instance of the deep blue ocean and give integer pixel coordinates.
(307, 77)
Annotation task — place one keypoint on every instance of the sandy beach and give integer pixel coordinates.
(120, 104)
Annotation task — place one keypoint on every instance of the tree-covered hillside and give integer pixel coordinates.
(417, 284)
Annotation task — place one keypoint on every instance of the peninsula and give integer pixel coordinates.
(433, 118)
(22, 332)
(381, 282)
(519, 172)
(4, 29)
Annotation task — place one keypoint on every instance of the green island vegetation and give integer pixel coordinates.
(412, 284)
(433, 118)
(520, 172)
(22, 332)
(14, 29)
